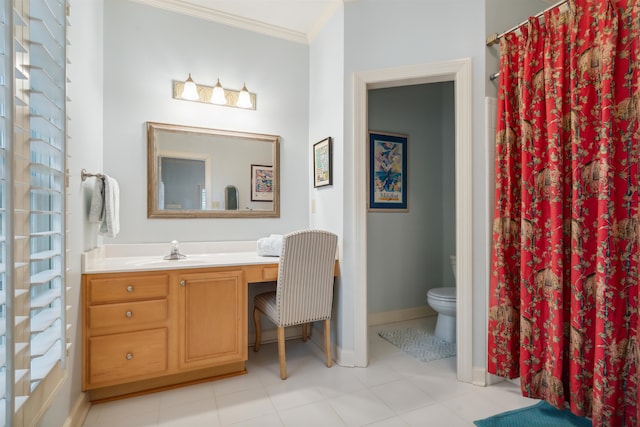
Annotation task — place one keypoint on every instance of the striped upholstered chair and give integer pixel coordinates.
(304, 292)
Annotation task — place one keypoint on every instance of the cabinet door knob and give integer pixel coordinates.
(129, 356)
(183, 283)
(129, 313)
(130, 288)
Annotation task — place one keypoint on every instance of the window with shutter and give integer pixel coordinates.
(33, 119)
(5, 129)
(47, 128)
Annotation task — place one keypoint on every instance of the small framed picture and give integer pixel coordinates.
(322, 173)
(261, 183)
(387, 172)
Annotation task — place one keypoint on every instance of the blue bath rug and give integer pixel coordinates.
(541, 414)
(419, 343)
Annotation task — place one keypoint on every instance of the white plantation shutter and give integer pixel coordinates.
(5, 129)
(33, 327)
(47, 123)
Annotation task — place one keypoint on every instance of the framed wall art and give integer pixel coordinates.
(322, 168)
(387, 172)
(261, 183)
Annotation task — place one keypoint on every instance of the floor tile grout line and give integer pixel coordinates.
(400, 367)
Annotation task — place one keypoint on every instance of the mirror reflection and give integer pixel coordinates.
(201, 172)
(231, 198)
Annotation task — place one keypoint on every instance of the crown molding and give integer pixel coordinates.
(179, 6)
(322, 20)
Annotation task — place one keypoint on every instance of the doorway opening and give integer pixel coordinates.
(411, 245)
(459, 72)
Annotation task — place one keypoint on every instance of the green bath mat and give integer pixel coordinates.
(541, 414)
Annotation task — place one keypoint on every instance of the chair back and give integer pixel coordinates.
(304, 291)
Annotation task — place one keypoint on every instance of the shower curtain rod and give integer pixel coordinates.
(493, 39)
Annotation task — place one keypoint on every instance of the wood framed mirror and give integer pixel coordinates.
(190, 170)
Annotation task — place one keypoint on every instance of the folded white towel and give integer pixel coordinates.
(105, 206)
(270, 246)
(97, 201)
(111, 207)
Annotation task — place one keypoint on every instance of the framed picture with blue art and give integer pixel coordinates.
(322, 173)
(261, 183)
(387, 172)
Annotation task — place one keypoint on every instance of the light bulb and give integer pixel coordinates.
(244, 99)
(190, 90)
(217, 96)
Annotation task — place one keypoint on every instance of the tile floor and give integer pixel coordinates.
(394, 390)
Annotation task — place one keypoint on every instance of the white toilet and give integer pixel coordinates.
(443, 300)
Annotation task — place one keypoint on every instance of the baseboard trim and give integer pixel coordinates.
(383, 317)
(79, 412)
(339, 356)
(479, 376)
(346, 358)
(271, 335)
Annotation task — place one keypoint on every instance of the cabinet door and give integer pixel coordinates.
(213, 318)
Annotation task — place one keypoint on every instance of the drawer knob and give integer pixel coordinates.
(183, 282)
(129, 356)
(130, 288)
(129, 313)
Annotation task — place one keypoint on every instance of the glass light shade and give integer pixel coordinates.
(244, 99)
(217, 95)
(190, 90)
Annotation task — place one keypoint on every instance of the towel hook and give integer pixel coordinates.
(84, 175)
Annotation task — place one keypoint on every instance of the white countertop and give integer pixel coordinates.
(150, 256)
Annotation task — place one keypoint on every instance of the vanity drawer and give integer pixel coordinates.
(128, 288)
(127, 356)
(128, 314)
(270, 274)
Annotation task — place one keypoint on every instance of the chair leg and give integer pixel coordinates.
(256, 322)
(327, 341)
(281, 356)
(305, 332)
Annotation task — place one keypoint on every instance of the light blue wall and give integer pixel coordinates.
(385, 34)
(326, 118)
(408, 252)
(145, 49)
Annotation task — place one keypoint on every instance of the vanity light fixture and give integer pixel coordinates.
(190, 90)
(216, 94)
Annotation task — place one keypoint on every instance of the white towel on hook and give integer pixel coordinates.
(97, 201)
(105, 206)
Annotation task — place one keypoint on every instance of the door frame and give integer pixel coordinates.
(458, 71)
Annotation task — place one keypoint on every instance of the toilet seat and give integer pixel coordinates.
(443, 294)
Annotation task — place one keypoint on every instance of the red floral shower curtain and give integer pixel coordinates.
(566, 235)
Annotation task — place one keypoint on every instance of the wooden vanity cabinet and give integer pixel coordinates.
(146, 331)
